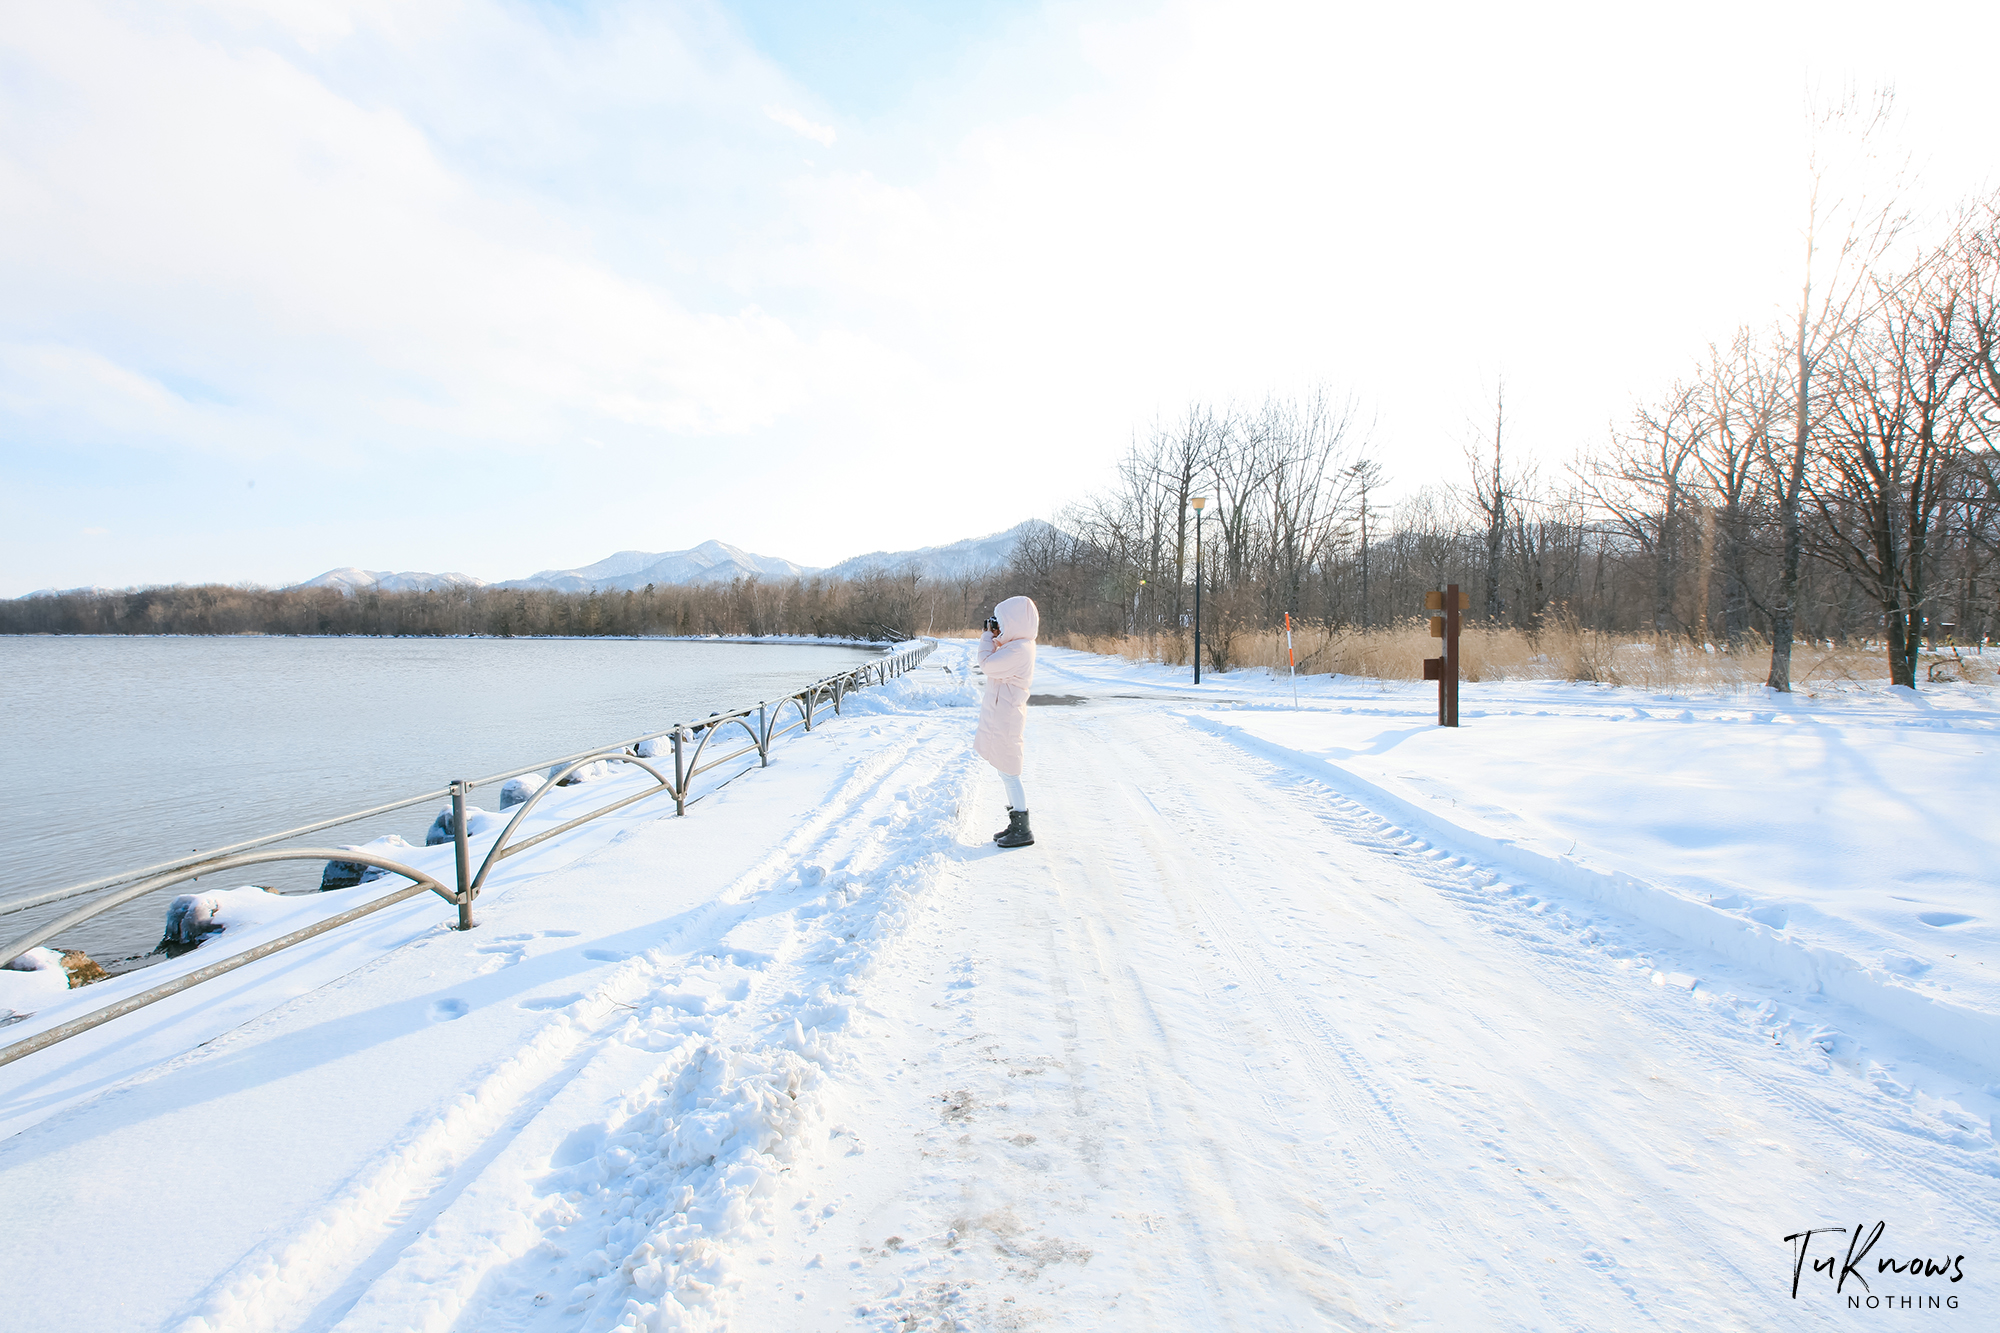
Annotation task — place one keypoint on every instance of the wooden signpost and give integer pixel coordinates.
(1445, 608)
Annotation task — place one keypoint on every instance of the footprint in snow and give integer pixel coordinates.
(606, 955)
(546, 1002)
(443, 1011)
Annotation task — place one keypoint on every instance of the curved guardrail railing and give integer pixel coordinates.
(503, 847)
(419, 882)
(688, 741)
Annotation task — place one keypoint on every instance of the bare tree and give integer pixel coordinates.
(1364, 478)
(1641, 484)
(1899, 426)
(1745, 401)
(1845, 238)
(1309, 442)
(1489, 497)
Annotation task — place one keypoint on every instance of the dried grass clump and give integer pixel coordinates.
(1557, 651)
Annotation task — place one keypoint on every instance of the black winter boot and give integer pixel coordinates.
(1017, 834)
(1010, 825)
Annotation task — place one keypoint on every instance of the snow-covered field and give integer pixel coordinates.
(1293, 1019)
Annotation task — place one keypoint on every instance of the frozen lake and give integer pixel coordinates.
(118, 752)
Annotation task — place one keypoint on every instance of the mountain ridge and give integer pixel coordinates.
(711, 561)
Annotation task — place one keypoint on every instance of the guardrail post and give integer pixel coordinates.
(464, 854)
(763, 737)
(680, 774)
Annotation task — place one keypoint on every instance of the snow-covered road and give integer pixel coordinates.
(1226, 1049)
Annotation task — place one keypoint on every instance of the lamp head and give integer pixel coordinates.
(1199, 502)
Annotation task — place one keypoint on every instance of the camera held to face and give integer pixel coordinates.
(993, 626)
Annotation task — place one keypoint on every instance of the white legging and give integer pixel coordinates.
(1016, 798)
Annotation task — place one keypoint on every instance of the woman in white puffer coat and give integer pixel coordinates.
(1007, 656)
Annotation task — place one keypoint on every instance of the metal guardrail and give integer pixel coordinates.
(761, 726)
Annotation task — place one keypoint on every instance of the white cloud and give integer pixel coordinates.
(792, 120)
(551, 278)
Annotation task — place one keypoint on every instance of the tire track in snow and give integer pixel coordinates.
(1501, 899)
(1696, 1036)
(1209, 890)
(1242, 926)
(1207, 1188)
(1812, 1101)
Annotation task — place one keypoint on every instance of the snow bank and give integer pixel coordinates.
(683, 1176)
(1727, 926)
(660, 1200)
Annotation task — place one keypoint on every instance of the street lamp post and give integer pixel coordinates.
(1200, 502)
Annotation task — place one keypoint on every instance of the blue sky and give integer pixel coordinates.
(496, 287)
(865, 60)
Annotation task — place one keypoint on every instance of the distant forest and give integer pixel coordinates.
(869, 608)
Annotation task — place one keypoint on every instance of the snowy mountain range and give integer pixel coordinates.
(960, 559)
(711, 562)
(351, 580)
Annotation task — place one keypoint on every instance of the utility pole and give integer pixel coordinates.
(1199, 502)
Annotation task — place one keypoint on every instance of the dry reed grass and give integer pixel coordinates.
(1556, 652)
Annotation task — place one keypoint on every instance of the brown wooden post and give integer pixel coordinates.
(1446, 608)
(1448, 687)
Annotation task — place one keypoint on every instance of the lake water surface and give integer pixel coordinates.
(119, 752)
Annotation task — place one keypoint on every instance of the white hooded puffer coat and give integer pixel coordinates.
(1010, 671)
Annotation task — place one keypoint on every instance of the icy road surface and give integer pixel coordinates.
(1225, 1050)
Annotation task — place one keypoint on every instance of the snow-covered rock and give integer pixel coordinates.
(74, 966)
(39, 960)
(347, 874)
(595, 771)
(189, 917)
(477, 821)
(31, 981)
(518, 790)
